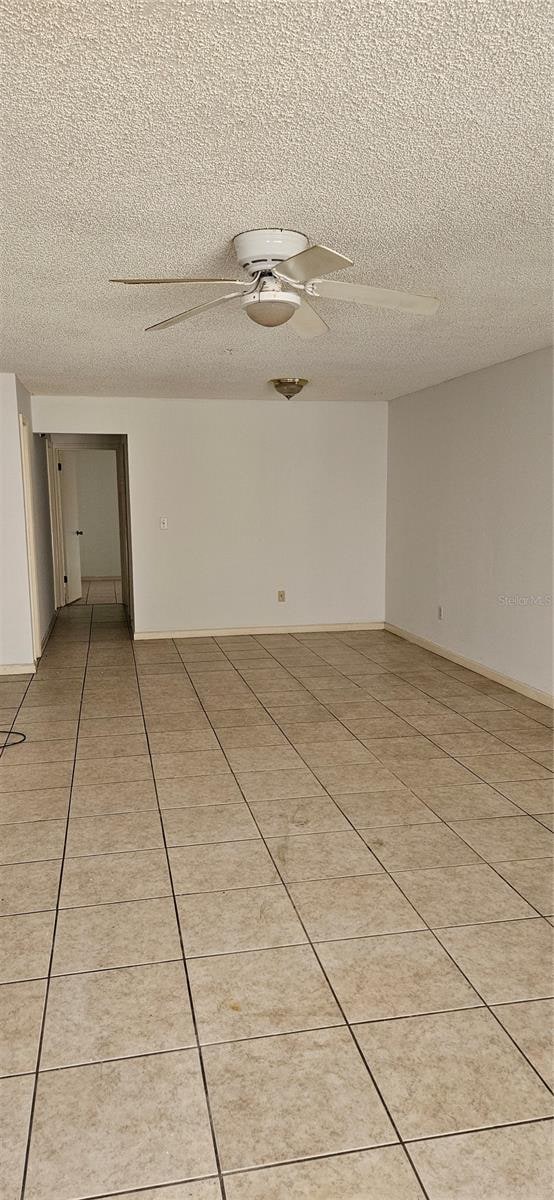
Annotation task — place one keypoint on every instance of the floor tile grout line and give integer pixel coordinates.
(435, 655)
(434, 820)
(432, 1137)
(198, 1045)
(384, 703)
(314, 1158)
(56, 788)
(258, 1037)
(497, 790)
(324, 972)
(290, 836)
(463, 972)
(91, 971)
(416, 686)
(444, 702)
(50, 962)
(254, 950)
(387, 764)
(385, 1145)
(255, 887)
(151, 1188)
(393, 772)
(484, 1003)
(487, 1005)
(316, 833)
(432, 737)
(262, 1037)
(432, 931)
(409, 901)
(449, 675)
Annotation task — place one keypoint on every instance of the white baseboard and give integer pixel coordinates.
(146, 636)
(515, 684)
(17, 669)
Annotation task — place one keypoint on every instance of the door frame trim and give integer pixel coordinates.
(25, 431)
(56, 524)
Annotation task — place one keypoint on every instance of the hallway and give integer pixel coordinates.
(100, 591)
(271, 900)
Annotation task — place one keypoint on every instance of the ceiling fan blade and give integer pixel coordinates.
(359, 293)
(315, 260)
(192, 312)
(184, 279)
(306, 322)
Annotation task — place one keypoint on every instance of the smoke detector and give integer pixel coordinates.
(289, 387)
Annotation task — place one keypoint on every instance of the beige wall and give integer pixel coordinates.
(258, 497)
(469, 517)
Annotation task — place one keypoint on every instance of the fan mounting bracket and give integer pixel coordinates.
(260, 250)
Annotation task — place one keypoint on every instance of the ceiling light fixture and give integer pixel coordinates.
(289, 387)
(271, 304)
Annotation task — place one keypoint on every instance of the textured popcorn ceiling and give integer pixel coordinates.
(140, 135)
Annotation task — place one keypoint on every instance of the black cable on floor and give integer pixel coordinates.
(9, 733)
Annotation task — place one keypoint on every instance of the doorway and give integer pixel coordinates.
(88, 479)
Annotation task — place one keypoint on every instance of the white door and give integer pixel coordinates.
(70, 523)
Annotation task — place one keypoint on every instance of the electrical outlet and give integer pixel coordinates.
(163, 522)
(440, 612)
(281, 596)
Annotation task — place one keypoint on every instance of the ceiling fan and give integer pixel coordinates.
(284, 275)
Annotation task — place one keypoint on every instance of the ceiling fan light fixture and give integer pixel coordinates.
(271, 307)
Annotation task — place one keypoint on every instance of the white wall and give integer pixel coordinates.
(470, 516)
(98, 512)
(258, 496)
(41, 516)
(43, 536)
(16, 638)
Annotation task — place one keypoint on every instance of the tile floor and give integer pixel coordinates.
(277, 922)
(100, 591)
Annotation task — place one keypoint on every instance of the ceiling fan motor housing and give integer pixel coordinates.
(259, 250)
